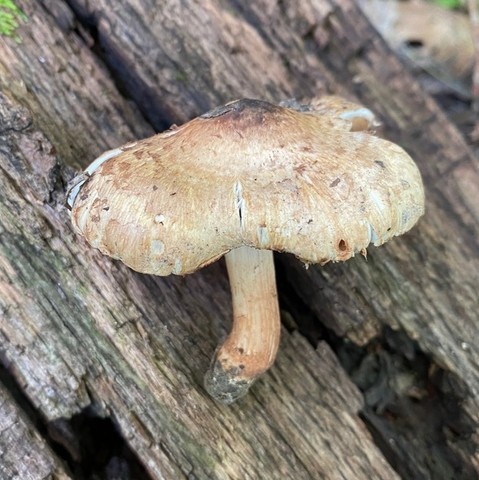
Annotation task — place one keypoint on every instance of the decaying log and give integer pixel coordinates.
(78, 330)
(24, 454)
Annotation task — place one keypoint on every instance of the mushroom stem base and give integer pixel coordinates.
(251, 347)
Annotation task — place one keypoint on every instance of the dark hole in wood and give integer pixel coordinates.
(91, 446)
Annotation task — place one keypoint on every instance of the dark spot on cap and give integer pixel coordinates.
(342, 245)
(414, 43)
(380, 163)
(334, 182)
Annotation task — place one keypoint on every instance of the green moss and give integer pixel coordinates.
(450, 4)
(180, 76)
(10, 15)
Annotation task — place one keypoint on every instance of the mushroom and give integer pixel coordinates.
(244, 180)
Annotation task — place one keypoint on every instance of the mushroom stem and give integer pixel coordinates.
(250, 349)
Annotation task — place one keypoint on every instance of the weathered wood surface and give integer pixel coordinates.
(24, 454)
(78, 330)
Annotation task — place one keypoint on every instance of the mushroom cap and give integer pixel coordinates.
(247, 173)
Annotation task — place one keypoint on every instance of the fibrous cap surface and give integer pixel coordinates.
(248, 173)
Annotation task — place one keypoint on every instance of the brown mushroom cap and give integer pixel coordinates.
(248, 173)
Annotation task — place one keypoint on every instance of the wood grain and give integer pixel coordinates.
(80, 331)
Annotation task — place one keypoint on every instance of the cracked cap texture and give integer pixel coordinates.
(247, 173)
